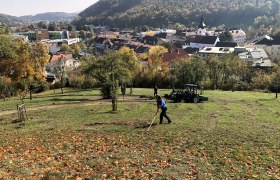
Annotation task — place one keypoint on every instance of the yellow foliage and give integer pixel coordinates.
(150, 33)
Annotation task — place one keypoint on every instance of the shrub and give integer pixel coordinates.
(76, 81)
(261, 81)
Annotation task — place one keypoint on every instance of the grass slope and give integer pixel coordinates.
(234, 135)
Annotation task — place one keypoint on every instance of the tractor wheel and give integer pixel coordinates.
(195, 100)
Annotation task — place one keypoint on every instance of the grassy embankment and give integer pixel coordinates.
(234, 135)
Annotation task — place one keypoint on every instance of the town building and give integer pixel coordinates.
(271, 44)
(238, 36)
(55, 45)
(65, 61)
(102, 44)
(219, 51)
(257, 57)
(42, 34)
(170, 57)
(202, 41)
(226, 44)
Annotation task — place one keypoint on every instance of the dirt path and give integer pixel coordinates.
(82, 103)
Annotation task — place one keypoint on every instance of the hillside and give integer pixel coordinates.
(7, 19)
(157, 13)
(235, 135)
(50, 16)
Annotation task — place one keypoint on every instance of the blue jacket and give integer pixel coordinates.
(162, 103)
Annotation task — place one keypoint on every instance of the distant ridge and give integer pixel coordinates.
(50, 16)
(7, 19)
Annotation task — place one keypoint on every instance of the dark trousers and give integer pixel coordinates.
(163, 113)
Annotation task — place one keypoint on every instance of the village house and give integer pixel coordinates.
(170, 57)
(202, 41)
(191, 51)
(65, 61)
(226, 44)
(102, 44)
(271, 44)
(238, 36)
(151, 40)
(257, 57)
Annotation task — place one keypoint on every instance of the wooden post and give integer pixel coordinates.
(22, 114)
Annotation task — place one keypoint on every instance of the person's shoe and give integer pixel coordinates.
(169, 122)
(160, 122)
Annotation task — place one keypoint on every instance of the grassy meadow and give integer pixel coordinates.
(234, 135)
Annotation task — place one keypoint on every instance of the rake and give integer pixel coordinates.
(152, 122)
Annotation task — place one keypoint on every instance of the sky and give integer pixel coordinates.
(32, 7)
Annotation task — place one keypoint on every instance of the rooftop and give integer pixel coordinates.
(205, 39)
(174, 55)
(226, 44)
(216, 50)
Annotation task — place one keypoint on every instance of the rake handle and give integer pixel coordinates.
(152, 122)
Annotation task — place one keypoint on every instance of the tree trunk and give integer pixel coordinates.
(61, 86)
(61, 90)
(30, 92)
(3, 97)
(276, 94)
(115, 104)
(131, 90)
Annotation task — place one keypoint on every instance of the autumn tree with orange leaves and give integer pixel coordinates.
(22, 62)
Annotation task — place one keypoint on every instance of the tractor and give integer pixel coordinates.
(189, 93)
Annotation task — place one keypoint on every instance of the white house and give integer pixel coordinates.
(64, 61)
(202, 41)
(238, 36)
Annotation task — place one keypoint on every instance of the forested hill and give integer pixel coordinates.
(157, 13)
(9, 20)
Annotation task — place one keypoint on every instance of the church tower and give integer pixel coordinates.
(201, 28)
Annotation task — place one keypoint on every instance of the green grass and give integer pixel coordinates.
(235, 135)
(51, 97)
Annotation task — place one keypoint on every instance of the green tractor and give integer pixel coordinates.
(189, 93)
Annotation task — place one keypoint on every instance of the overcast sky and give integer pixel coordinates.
(31, 7)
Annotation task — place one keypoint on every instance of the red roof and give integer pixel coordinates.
(56, 58)
(174, 55)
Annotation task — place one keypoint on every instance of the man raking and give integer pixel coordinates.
(161, 104)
